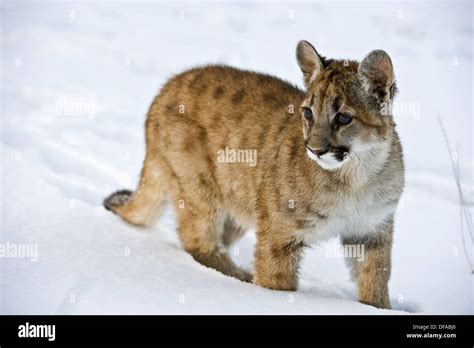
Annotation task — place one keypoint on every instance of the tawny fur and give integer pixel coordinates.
(287, 196)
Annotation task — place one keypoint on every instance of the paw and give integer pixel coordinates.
(382, 304)
(277, 284)
(245, 276)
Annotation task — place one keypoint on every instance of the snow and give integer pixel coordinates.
(77, 80)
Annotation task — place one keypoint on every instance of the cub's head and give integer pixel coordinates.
(346, 109)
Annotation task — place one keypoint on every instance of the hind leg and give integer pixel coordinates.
(200, 231)
(232, 231)
(142, 206)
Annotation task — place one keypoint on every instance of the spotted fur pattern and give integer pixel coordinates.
(296, 194)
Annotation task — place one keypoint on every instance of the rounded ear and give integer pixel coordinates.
(376, 71)
(309, 62)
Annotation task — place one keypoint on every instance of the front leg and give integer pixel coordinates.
(277, 257)
(371, 270)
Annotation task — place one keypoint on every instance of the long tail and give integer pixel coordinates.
(143, 206)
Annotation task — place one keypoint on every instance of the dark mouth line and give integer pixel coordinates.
(340, 153)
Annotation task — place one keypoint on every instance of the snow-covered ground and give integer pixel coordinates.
(77, 80)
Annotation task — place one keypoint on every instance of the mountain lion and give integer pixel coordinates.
(326, 162)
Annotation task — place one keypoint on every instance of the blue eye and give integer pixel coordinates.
(308, 113)
(343, 119)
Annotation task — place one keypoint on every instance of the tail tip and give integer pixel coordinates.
(117, 199)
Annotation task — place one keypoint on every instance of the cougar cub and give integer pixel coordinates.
(326, 161)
